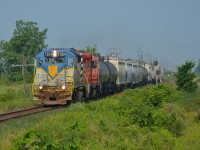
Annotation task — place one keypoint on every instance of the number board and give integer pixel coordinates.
(50, 54)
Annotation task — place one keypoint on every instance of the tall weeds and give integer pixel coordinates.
(135, 119)
(12, 97)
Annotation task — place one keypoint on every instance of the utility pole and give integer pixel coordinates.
(23, 65)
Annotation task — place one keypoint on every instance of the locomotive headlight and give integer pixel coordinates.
(40, 87)
(54, 54)
(63, 87)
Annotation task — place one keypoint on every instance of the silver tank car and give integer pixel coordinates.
(158, 72)
(151, 72)
(107, 78)
(129, 73)
(120, 65)
(143, 75)
(140, 73)
(108, 73)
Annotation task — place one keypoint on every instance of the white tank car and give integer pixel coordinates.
(151, 72)
(143, 75)
(120, 64)
(159, 74)
(130, 73)
(140, 73)
(135, 73)
(158, 77)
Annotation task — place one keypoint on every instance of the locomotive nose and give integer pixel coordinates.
(52, 70)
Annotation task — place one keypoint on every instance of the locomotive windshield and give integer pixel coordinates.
(55, 60)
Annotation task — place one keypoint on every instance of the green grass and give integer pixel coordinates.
(13, 128)
(190, 139)
(11, 98)
(151, 117)
(170, 80)
(107, 124)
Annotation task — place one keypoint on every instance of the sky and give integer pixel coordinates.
(167, 30)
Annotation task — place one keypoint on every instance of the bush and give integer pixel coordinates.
(4, 80)
(145, 107)
(8, 95)
(161, 139)
(185, 77)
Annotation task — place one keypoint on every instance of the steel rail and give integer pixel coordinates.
(24, 112)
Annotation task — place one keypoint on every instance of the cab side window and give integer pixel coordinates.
(70, 62)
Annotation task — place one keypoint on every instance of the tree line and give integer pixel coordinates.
(27, 40)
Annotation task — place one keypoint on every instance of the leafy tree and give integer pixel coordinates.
(197, 69)
(26, 42)
(184, 77)
(92, 50)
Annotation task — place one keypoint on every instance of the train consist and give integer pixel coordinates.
(64, 75)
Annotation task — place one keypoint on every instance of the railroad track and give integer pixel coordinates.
(24, 112)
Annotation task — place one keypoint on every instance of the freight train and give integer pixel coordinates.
(65, 75)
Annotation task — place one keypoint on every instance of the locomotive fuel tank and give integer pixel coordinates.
(108, 73)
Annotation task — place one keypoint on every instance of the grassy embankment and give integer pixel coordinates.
(151, 117)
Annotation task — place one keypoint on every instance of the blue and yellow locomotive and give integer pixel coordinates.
(53, 82)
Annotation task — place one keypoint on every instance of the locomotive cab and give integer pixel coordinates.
(86, 76)
(53, 82)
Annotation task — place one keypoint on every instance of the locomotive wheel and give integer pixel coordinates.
(79, 95)
(76, 96)
(84, 98)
